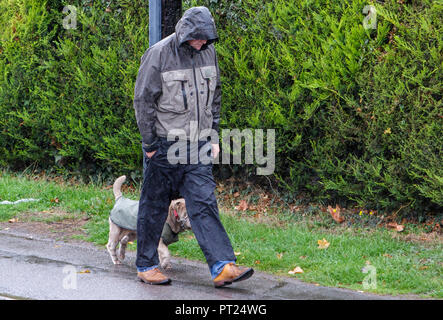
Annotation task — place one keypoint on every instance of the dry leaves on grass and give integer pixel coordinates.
(395, 226)
(243, 206)
(297, 270)
(335, 213)
(323, 244)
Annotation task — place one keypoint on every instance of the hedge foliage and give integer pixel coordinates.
(357, 112)
(66, 94)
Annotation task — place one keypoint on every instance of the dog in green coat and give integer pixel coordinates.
(123, 226)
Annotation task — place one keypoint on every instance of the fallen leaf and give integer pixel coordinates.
(296, 270)
(236, 194)
(323, 244)
(13, 220)
(257, 262)
(387, 255)
(237, 253)
(85, 271)
(397, 227)
(423, 268)
(335, 213)
(243, 206)
(279, 255)
(55, 200)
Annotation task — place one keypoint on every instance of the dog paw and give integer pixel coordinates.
(121, 255)
(166, 266)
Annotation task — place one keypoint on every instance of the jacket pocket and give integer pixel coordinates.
(175, 91)
(209, 80)
(209, 74)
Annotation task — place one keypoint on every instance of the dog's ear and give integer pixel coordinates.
(171, 219)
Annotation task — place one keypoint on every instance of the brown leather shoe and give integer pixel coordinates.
(153, 276)
(232, 273)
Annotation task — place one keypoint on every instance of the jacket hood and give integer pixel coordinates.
(196, 24)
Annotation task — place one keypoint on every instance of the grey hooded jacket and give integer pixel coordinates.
(177, 84)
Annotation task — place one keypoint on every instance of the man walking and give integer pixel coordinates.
(178, 88)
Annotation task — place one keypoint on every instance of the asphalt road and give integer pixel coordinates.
(38, 268)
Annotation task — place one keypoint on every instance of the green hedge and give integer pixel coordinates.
(66, 95)
(358, 113)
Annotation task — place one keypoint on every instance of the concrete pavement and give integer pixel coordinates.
(38, 268)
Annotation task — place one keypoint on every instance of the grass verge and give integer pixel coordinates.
(403, 264)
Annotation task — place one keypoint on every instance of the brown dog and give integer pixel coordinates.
(124, 229)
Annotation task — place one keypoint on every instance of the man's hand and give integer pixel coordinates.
(150, 154)
(215, 150)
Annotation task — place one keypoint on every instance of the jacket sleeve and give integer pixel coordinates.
(216, 102)
(148, 87)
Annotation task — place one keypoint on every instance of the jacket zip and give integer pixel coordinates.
(207, 97)
(185, 100)
(196, 96)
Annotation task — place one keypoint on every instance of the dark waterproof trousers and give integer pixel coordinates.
(162, 183)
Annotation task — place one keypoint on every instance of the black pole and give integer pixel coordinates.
(163, 16)
(171, 13)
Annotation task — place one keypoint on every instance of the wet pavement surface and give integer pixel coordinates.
(32, 267)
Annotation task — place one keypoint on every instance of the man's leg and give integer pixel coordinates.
(198, 190)
(152, 214)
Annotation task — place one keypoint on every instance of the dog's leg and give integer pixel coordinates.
(164, 255)
(122, 250)
(114, 233)
(128, 237)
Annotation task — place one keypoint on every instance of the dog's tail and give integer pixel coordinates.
(117, 186)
